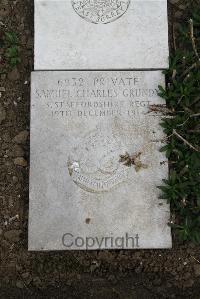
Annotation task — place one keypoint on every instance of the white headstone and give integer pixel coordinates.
(101, 34)
(81, 195)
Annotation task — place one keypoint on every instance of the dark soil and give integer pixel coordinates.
(99, 274)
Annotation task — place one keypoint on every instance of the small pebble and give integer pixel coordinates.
(20, 161)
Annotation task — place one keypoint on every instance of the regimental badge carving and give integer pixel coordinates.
(94, 163)
(100, 11)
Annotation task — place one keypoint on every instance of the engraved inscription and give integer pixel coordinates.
(117, 109)
(100, 11)
(97, 97)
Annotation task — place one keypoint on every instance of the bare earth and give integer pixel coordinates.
(100, 274)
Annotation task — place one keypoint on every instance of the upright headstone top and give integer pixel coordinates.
(101, 34)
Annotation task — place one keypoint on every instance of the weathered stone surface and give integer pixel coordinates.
(134, 36)
(81, 122)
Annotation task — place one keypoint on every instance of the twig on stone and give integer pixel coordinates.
(163, 139)
(160, 108)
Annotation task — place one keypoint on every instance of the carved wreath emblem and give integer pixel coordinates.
(100, 11)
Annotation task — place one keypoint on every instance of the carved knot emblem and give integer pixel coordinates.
(100, 11)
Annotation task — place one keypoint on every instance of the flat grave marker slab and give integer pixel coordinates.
(97, 34)
(81, 195)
